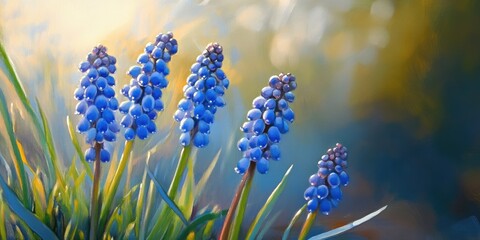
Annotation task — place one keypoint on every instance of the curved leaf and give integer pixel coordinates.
(167, 199)
(267, 207)
(349, 226)
(30, 220)
(203, 219)
(292, 222)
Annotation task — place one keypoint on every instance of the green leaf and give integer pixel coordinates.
(349, 226)
(26, 103)
(139, 211)
(3, 220)
(200, 221)
(125, 201)
(267, 225)
(167, 199)
(292, 222)
(78, 149)
(21, 174)
(267, 207)
(206, 175)
(50, 145)
(33, 223)
(112, 189)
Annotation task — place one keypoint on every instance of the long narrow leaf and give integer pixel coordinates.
(268, 206)
(3, 220)
(78, 149)
(139, 211)
(124, 200)
(199, 221)
(268, 225)
(33, 223)
(112, 189)
(349, 226)
(292, 222)
(21, 174)
(167, 199)
(50, 145)
(206, 175)
(26, 103)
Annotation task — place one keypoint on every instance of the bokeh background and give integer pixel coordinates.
(394, 81)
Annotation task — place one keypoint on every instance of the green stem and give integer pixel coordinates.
(177, 177)
(112, 190)
(22, 175)
(307, 225)
(94, 197)
(241, 195)
(173, 189)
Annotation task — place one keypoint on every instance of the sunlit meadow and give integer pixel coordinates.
(376, 76)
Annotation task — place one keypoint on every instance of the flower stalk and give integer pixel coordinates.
(94, 203)
(242, 192)
(307, 225)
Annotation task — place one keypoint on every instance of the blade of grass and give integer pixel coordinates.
(267, 207)
(167, 199)
(40, 200)
(206, 175)
(292, 222)
(172, 190)
(78, 149)
(139, 211)
(112, 190)
(16, 206)
(3, 221)
(349, 226)
(24, 158)
(14, 79)
(267, 225)
(200, 221)
(125, 199)
(146, 217)
(50, 145)
(21, 174)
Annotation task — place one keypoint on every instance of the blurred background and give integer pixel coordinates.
(394, 81)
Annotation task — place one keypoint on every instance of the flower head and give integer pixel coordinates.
(325, 191)
(97, 102)
(202, 96)
(267, 120)
(145, 89)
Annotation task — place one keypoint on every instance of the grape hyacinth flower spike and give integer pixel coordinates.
(97, 103)
(268, 119)
(145, 89)
(325, 191)
(203, 94)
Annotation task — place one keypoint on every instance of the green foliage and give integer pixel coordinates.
(267, 207)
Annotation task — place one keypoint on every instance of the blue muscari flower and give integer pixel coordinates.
(97, 102)
(267, 121)
(324, 192)
(203, 94)
(145, 89)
